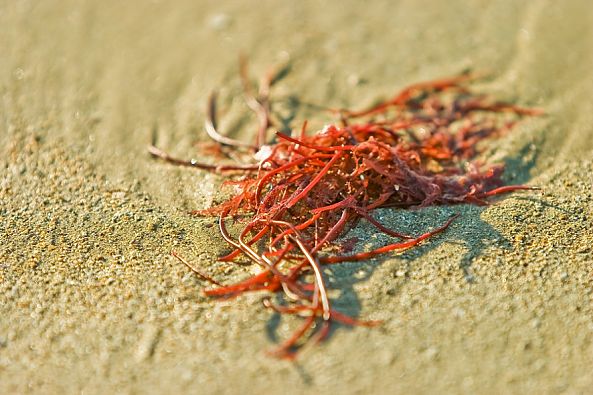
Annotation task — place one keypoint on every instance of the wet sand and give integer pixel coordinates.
(92, 302)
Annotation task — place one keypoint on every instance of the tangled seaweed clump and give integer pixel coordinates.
(306, 190)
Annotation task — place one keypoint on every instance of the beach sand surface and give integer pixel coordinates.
(91, 300)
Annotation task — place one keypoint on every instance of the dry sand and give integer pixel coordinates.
(90, 299)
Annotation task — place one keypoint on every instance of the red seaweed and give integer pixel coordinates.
(302, 193)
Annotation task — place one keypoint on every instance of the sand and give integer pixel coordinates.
(90, 299)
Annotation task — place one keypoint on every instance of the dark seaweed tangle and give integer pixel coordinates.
(305, 190)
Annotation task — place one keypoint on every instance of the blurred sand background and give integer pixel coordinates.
(90, 299)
